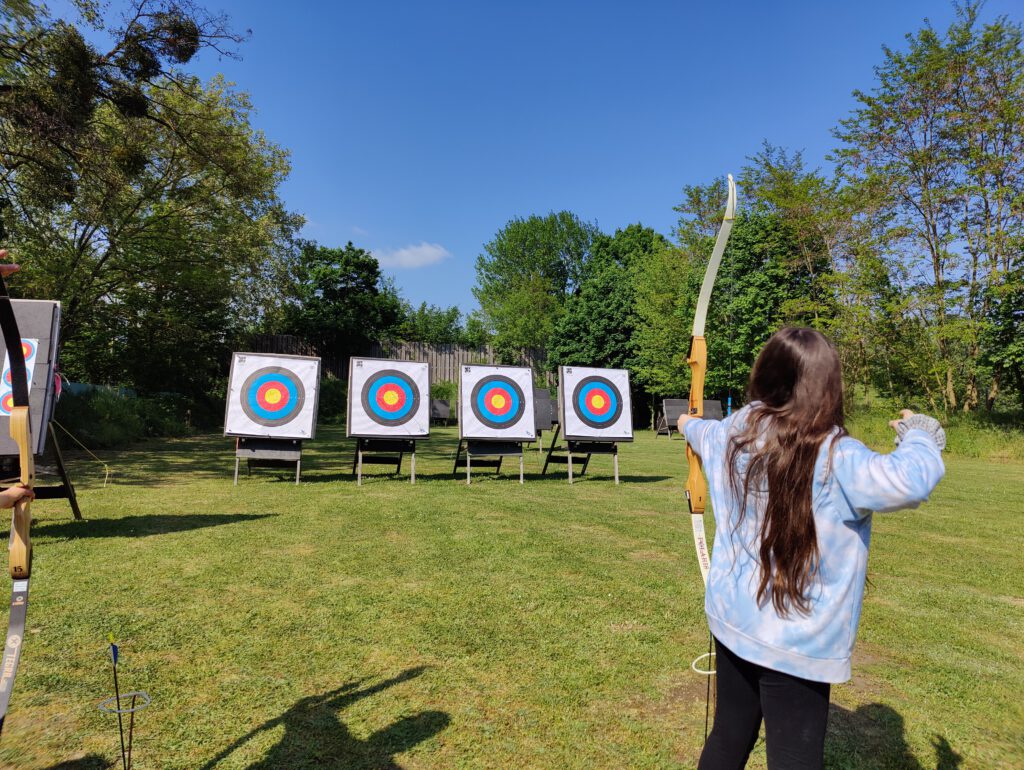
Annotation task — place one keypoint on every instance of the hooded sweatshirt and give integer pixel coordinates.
(847, 488)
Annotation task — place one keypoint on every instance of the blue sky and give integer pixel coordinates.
(418, 129)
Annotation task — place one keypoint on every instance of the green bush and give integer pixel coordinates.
(104, 417)
(987, 436)
(333, 401)
(445, 390)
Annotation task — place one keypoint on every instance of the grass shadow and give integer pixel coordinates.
(314, 736)
(874, 735)
(142, 526)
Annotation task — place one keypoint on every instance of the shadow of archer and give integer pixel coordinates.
(314, 737)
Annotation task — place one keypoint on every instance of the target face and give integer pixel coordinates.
(595, 403)
(496, 402)
(29, 348)
(272, 396)
(386, 398)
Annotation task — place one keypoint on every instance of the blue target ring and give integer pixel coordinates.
(272, 396)
(597, 402)
(390, 397)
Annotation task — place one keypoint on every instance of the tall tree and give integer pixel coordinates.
(527, 273)
(939, 142)
(339, 299)
(597, 326)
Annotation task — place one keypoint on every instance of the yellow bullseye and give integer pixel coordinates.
(598, 401)
(390, 398)
(273, 396)
(498, 401)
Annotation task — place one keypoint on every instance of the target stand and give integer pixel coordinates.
(583, 450)
(487, 454)
(268, 453)
(595, 416)
(384, 451)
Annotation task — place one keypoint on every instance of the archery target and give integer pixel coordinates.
(496, 402)
(388, 398)
(595, 403)
(28, 348)
(272, 396)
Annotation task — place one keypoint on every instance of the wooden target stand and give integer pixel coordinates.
(581, 449)
(261, 452)
(384, 451)
(487, 454)
(63, 491)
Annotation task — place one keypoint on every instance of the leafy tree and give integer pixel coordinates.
(759, 288)
(527, 273)
(430, 323)
(597, 326)
(939, 144)
(54, 83)
(176, 211)
(340, 300)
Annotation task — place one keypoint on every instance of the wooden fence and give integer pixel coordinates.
(444, 360)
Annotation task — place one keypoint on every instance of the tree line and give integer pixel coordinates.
(144, 200)
(909, 253)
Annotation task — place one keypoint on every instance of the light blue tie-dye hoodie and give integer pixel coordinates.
(846, 490)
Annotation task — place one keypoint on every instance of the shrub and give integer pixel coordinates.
(445, 390)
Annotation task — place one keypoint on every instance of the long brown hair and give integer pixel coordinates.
(798, 382)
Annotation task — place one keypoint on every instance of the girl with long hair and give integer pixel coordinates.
(793, 496)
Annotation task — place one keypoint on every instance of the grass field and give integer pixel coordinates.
(497, 626)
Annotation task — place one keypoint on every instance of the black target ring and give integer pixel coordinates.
(485, 395)
(272, 396)
(390, 397)
(586, 391)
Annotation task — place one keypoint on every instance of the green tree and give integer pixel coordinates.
(597, 326)
(939, 145)
(527, 273)
(430, 324)
(339, 299)
(760, 286)
(54, 83)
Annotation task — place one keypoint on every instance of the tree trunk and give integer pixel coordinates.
(993, 391)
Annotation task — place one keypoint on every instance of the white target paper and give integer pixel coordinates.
(496, 402)
(595, 404)
(388, 398)
(272, 396)
(29, 348)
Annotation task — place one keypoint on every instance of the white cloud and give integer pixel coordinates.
(359, 231)
(413, 255)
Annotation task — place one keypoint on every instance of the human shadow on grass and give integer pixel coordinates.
(874, 736)
(314, 736)
(90, 762)
(142, 526)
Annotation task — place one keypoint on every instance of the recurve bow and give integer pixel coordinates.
(696, 486)
(20, 549)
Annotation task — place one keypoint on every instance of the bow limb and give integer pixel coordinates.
(697, 358)
(20, 549)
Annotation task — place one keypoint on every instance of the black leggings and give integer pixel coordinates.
(795, 712)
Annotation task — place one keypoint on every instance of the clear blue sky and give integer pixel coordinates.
(418, 129)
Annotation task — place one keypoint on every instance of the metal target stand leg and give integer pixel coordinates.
(520, 469)
(237, 461)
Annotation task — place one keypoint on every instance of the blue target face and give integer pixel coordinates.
(390, 397)
(497, 402)
(272, 396)
(597, 402)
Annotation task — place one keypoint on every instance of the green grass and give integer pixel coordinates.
(497, 626)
